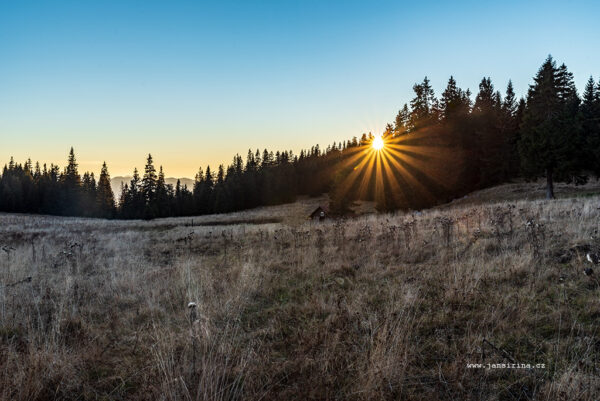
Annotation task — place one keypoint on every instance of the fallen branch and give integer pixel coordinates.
(498, 350)
(25, 280)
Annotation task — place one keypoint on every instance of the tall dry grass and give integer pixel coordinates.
(380, 307)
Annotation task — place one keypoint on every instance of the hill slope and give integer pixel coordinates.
(380, 307)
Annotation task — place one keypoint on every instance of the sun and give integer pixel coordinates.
(378, 143)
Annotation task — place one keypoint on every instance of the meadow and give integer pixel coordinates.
(265, 305)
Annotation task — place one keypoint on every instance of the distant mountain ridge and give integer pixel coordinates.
(115, 183)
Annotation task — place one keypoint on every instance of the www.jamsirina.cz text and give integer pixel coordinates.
(506, 366)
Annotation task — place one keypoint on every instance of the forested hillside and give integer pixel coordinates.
(436, 149)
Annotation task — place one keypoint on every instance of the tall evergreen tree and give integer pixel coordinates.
(509, 120)
(134, 201)
(424, 106)
(550, 142)
(71, 173)
(509, 104)
(590, 114)
(456, 133)
(71, 182)
(161, 200)
(88, 195)
(488, 138)
(104, 194)
(206, 198)
(149, 188)
(454, 103)
(402, 122)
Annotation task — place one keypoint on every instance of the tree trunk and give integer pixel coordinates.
(549, 184)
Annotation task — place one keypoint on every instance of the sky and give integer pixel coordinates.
(193, 83)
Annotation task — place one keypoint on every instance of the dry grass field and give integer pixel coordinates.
(379, 307)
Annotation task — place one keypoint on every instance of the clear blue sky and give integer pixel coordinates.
(195, 82)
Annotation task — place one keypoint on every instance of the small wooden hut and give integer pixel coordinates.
(320, 213)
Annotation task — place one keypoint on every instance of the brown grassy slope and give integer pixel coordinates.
(291, 214)
(381, 307)
(521, 190)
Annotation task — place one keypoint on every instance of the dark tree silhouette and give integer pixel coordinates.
(590, 114)
(104, 194)
(550, 133)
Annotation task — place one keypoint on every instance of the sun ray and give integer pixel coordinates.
(418, 176)
(412, 184)
(396, 170)
(357, 171)
(364, 184)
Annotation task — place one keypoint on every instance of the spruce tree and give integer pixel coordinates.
(550, 143)
(509, 104)
(149, 180)
(454, 103)
(509, 120)
(71, 170)
(222, 202)
(135, 200)
(456, 133)
(488, 140)
(401, 124)
(424, 106)
(590, 114)
(88, 195)
(71, 182)
(124, 200)
(162, 202)
(207, 205)
(149, 188)
(104, 194)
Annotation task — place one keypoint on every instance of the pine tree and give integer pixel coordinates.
(509, 120)
(510, 101)
(220, 175)
(104, 194)
(134, 184)
(257, 158)
(454, 103)
(550, 142)
(135, 203)
(489, 141)
(456, 133)
(590, 114)
(206, 195)
(162, 203)
(424, 106)
(149, 189)
(250, 162)
(88, 195)
(401, 124)
(222, 202)
(71, 182)
(149, 180)
(123, 204)
(450, 96)
(71, 174)
(197, 191)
